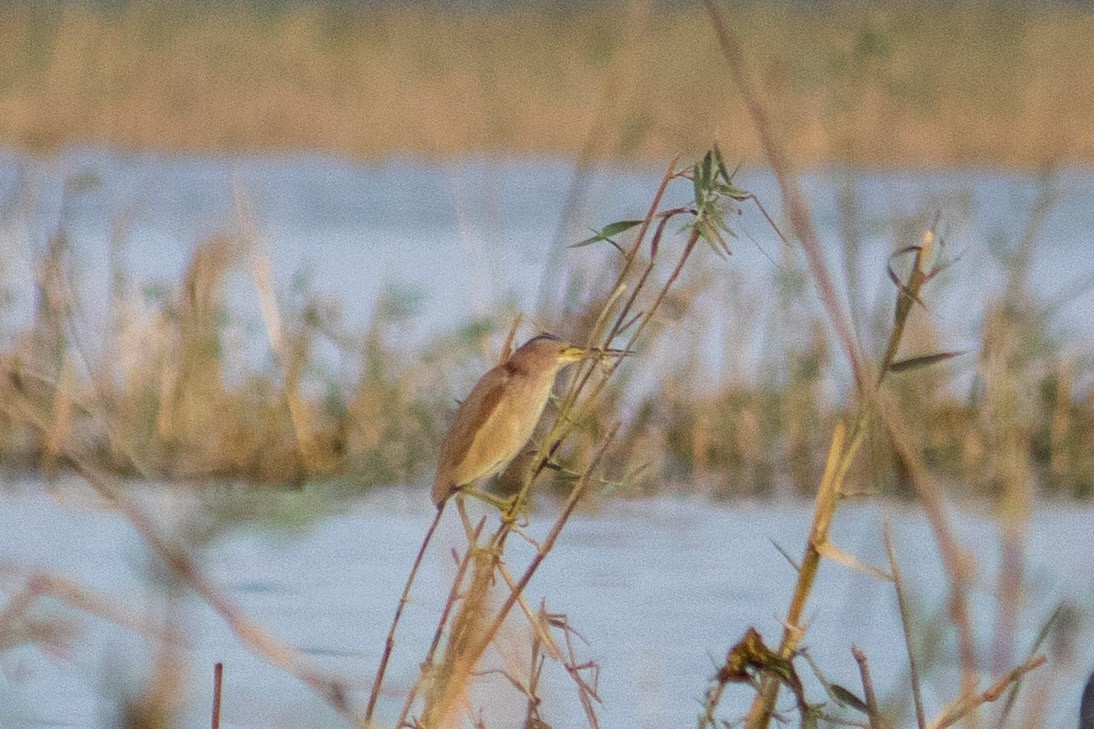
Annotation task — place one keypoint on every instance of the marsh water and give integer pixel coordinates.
(658, 589)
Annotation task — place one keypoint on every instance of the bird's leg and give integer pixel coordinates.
(512, 508)
(504, 505)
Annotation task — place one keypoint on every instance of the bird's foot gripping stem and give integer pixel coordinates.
(512, 508)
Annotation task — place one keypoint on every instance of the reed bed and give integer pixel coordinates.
(920, 83)
(165, 407)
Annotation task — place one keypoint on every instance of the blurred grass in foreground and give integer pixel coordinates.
(918, 83)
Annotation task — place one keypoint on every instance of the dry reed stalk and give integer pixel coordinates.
(460, 663)
(260, 642)
(389, 643)
(759, 714)
(867, 686)
(474, 629)
(290, 359)
(906, 624)
(450, 680)
(842, 452)
(796, 208)
(455, 591)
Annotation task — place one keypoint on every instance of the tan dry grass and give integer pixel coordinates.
(915, 83)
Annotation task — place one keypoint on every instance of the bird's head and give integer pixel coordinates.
(546, 350)
(547, 353)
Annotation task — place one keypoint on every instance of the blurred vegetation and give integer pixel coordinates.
(162, 403)
(914, 83)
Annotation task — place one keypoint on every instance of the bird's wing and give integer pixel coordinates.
(473, 413)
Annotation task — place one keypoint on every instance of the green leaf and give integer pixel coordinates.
(925, 360)
(734, 193)
(709, 236)
(721, 165)
(608, 232)
(614, 229)
(700, 198)
(706, 169)
(844, 697)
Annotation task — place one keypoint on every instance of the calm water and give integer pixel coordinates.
(658, 588)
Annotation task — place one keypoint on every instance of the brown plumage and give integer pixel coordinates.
(500, 413)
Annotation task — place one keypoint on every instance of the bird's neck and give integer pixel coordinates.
(515, 367)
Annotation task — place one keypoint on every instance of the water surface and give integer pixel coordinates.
(659, 589)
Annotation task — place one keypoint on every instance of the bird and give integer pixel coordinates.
(496, 420)
(490, 428)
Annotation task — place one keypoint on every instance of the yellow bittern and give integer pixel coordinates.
(497, 419)
(490, 428)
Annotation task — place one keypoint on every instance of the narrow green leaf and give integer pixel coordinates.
(706, 170)
(614, 229)
(721, 164)
(844, 697)
(785, 554)
(734, 193)
(587, 241)
(607, 233)
(926, 360)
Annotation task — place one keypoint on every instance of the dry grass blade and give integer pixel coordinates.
(906, 624)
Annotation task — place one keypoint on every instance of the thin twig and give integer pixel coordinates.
(906, 623)
(389, 644)
(867, 686)
(218, 680)
(965, 705)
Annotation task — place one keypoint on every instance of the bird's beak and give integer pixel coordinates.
(573, 354)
